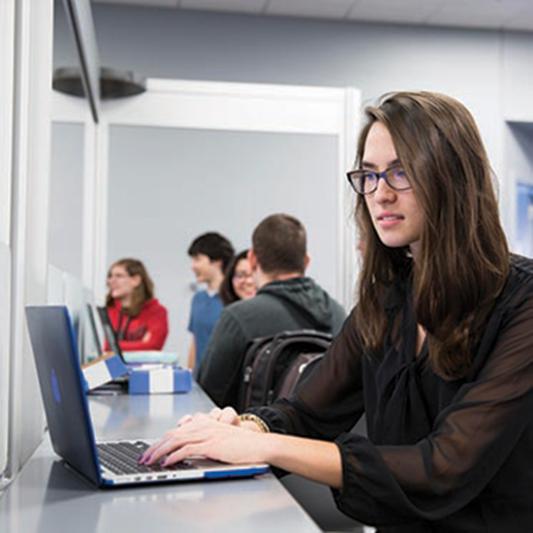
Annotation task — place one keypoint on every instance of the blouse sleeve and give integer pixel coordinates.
(470, 441)
(330, 401)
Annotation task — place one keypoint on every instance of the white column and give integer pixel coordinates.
(348, 264)
(7, 50)
(29, 219)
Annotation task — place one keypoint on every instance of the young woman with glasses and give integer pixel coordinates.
(438, 352)
(238, 281)
(139, 320)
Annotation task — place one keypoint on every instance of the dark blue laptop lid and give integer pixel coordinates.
(61, 382)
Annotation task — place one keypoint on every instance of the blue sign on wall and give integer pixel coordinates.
(524, 220)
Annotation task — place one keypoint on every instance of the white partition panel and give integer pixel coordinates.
(188, 157)
(7, 49)
(127, 183)
(184, 182)
(5, 321)
(65, 228)
(7, 36)
(64, 288)
(29, 217)
(76, 304)
(240, 108)
(55, 286)
(71, 114)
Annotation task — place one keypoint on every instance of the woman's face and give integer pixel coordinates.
(396, 215)
(243, 281)
(121, 285)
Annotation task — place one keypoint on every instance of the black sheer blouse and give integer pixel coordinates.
(448, 456)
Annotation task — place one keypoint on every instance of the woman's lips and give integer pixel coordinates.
(389, 220)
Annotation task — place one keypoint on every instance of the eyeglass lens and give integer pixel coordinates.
(366, 181)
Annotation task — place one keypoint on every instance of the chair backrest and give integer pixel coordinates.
(275, 365)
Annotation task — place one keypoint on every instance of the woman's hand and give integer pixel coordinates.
(227, 415)
(204, 435)
(220, 435)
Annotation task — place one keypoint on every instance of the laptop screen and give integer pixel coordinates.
(94, 330)
(61, 383)
(109, 332)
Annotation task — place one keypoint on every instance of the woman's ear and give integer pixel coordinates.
(137, 280)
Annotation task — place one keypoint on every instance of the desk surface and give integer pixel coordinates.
(47, 497)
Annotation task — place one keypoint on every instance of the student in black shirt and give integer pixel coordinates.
(438, 351)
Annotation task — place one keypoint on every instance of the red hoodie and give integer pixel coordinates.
(130, 331)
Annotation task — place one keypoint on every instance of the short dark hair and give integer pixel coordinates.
(214, 245)
(280, 244)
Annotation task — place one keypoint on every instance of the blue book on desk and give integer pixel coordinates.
(106, 464)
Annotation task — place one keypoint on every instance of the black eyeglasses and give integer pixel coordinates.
(364, 181)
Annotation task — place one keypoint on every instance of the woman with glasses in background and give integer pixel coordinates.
(139, 320)
(438, 351)
(238, 281)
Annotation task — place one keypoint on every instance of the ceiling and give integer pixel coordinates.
(493, 14)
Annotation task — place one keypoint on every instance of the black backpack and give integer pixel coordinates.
(274, 365)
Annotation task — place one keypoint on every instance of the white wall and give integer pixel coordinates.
(30, 145)
(488, 70)
(65, 231)
(168, 185)
(7, 56)
(517, 76)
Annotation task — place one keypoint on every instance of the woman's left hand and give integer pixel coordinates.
(228, 415)
(205, 436)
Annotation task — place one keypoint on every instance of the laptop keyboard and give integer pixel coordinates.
(122, 458)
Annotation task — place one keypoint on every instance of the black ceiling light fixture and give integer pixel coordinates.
(114, 83)
(90, 80)
(80, 20)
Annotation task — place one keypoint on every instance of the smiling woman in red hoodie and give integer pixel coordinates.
(139, 320)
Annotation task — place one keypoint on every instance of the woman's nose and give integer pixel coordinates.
(384, 192)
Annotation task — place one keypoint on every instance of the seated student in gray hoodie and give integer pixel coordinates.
(286, 300)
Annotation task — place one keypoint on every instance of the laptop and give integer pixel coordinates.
(134, 359)
(109, 332)
(105, 464)
(94, 330)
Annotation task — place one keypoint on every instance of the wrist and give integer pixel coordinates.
(253, 423)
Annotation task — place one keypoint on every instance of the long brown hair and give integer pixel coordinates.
(142, 293)
(463, 259)
(227, 290)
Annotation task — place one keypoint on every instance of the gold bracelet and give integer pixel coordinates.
(259, 422)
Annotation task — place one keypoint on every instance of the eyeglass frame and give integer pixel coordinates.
(241, 276)
(378, 175)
